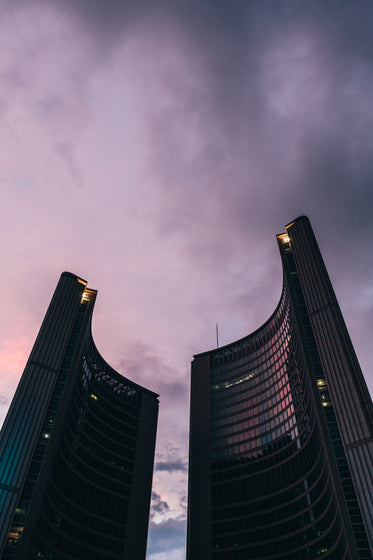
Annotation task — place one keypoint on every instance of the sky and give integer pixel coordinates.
(155, 149)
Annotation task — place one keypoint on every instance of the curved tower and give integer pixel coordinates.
(77, 446)
(281, 430)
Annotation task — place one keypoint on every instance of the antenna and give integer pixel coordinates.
(217, 335)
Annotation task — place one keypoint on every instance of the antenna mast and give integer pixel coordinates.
(217, 335)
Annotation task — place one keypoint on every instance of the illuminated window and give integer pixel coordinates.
(85, 296)
(15, 533)
(284, 238)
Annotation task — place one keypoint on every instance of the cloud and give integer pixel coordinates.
(175, 554)
(171, 466)
(158, 505)
(166, 535)
(183, 503)
(143, 361)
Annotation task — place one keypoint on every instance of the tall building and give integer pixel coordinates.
(77, 446)
(281, 431)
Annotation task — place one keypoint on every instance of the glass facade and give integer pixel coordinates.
(272, 492)
(276, 480)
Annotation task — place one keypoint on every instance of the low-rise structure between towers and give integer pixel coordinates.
(281, 430)
(77, 446)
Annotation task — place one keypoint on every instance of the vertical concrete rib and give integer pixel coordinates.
(349, 393)
(23, 423)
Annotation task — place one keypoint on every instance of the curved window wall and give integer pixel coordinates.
(272, 490)
(95, 458)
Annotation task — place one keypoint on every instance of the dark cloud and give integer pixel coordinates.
(158, 505)
(279, 102)
(171, 466)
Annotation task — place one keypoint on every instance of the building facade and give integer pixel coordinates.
(281, 430)
(77, 446)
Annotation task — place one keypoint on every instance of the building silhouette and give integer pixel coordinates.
(281, 431)
(77, 446)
